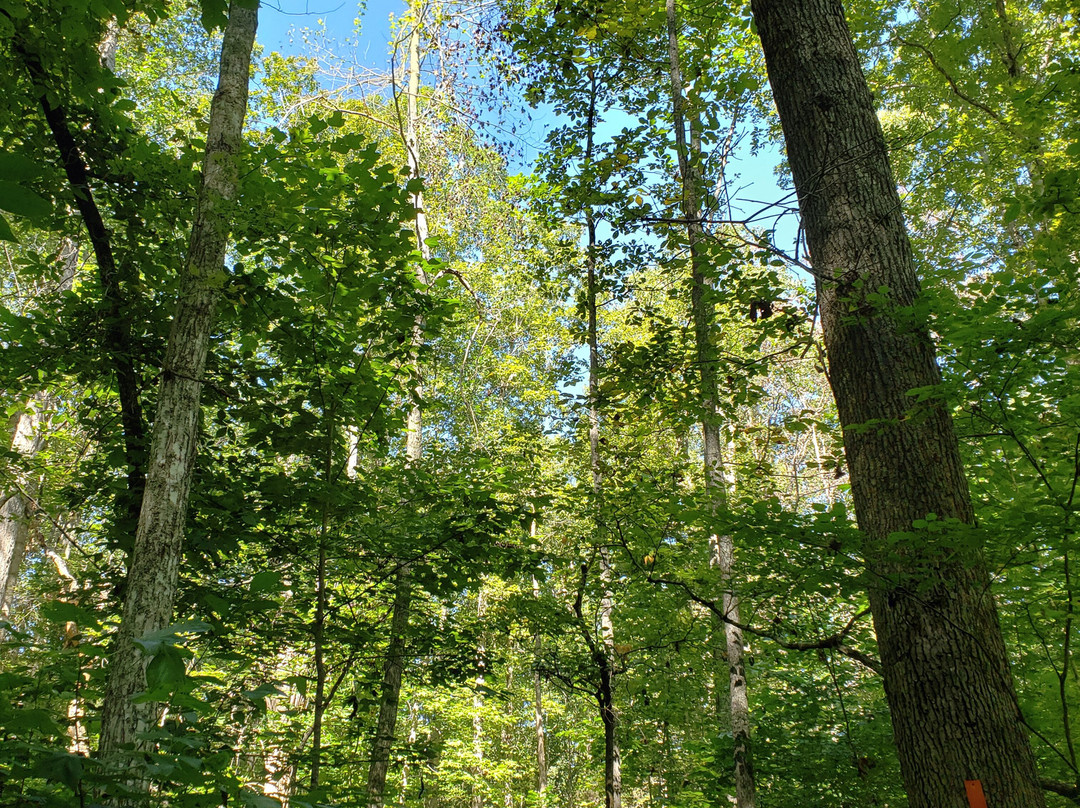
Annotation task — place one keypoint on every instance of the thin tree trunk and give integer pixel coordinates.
(721, 547)
(152, 578)
(604, 655)
(112, 278)
(414, 449)
(954, 711)
(319, 627)
(477, 797)
(391, 691)
(27, 439)
(538, 703)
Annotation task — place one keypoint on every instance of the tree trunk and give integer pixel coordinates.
(721, 547)
(538, 702)
(476, 799)
(414, 449)
(152, 578)
(26, 438)
(604, 654)
(955, 714)
(391, 691)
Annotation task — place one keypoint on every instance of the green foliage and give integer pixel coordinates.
(302, 492)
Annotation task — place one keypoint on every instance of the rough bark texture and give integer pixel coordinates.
(152, 578)
(947, 679)
(391, 691)
(721, 547)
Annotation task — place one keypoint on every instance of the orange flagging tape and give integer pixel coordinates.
(976, 798)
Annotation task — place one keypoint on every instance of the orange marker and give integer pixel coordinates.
(976, 798)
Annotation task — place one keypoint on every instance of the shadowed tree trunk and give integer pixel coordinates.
(152, 578)
(954, 711)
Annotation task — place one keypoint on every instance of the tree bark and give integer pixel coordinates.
(27, 438)
(112, 278)
(152, 578)
(954, 711)
(391, 691)
(721, 547)
(538, 702)
(604, 652)
(414, 448)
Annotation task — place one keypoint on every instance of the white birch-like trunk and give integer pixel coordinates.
(721, 547)
(414, 447)
(152, 578)
(27, 438)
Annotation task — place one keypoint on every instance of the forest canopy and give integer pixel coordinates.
(353, 457)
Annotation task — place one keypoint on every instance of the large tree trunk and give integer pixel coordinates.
(152, 578)
(950, 692)
(721, 547)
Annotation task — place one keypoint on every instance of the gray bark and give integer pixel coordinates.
(27, 437)
(954, 711)
(391, 691)
(721, 547)
(152, 578)
(414, 449)
(538, 702)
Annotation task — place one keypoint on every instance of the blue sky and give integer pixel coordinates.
(363, 31)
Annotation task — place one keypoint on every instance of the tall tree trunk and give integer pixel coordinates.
(476, 799)
(113, 278)
(721, 547)
(538, 702)
(414, 449)
(319, 625)
(152, 578)
(954, 711)
(391, 691)
(604, 653)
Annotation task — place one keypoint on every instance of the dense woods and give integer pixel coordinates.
(355, 457)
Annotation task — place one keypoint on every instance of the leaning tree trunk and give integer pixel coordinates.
(954, 711)
(721, 547)
(152, 578)
(414, 449)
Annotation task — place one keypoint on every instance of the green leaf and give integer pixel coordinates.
(22, 201)
(152, 642)
(5, 231)
(165, 669)
(61, 768)
(267, 581)
(18, 167)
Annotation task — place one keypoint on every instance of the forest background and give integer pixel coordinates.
(509, 481)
